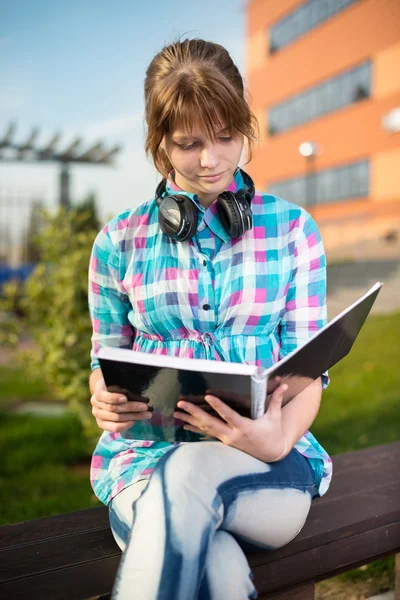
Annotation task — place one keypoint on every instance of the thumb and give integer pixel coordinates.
(275, 405)
(100, 385)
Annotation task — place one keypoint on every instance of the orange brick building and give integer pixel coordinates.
(327, 72)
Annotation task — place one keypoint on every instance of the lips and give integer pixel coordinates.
(212, 177)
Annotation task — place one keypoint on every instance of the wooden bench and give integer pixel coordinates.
(74, 556)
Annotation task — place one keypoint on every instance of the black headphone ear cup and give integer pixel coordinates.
(177, 217)
(229, 212)
(192, 216)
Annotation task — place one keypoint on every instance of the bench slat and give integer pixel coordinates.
(51, 555)
(368, 468)
(29, 532)
(382, 460)
(97, 577)
(344, 519)
(75, 583)
(328, 560)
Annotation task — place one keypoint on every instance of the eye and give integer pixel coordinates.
(225, 139)
(187, 147)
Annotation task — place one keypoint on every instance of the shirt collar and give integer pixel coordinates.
(209, 216)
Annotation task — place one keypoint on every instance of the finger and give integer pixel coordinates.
(197, 400)
(185, 417)
(125, 407)
(225, 412)
(115, 427)
(229, 396)
(100, 384)
(273, 384)
(199, 418)
(194, 429)
(275, 406)
(110, 397)
(106, 415)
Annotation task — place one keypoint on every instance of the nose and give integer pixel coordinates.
(208, 157)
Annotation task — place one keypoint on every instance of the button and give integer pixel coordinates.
(204, 263)
(206, 306)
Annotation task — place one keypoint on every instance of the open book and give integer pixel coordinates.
(162, 380)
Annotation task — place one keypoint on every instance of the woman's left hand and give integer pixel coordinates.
(262, 438)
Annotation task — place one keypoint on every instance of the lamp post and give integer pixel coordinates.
(391, 121)
(310, 150)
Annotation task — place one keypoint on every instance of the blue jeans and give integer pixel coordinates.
(205, 504)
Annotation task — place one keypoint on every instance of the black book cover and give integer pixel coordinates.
(162, 387)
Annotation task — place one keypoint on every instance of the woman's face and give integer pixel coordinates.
(203, 166)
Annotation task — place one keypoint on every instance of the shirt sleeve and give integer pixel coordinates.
(109, 306)
(305, 308)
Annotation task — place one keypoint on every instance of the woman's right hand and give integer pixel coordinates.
(113, 411)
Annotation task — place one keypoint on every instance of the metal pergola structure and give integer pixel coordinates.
(27, 152)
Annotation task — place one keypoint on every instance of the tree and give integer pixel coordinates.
(54, 302)
(35, 225)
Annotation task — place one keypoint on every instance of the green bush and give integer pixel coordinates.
(51, 308)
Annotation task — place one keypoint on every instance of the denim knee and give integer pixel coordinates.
(227, 573)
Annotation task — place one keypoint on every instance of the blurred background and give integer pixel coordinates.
(323, 80)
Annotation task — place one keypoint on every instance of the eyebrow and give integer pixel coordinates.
(182, 139)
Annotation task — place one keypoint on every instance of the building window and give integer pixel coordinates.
(303, 19)
(349, 87)
(339, 183)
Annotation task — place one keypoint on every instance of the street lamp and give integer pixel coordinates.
(391, 121)
(310, 150)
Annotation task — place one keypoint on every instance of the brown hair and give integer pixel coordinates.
(190, 80)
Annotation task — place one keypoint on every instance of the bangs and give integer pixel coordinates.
(186, 114)
(203, 99)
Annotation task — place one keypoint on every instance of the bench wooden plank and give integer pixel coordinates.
(305, 591)
(51, 555)
(28, 532)
(382, 460)
(96, 577)
(342, 521)
(367, 467)
(78, 582)
(328, 560)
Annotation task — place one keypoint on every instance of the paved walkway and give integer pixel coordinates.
(385, 596)
(355, 269)
(348, 281)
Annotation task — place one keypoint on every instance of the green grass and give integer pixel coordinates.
(36, 478)
(14, 385)
(360, 406)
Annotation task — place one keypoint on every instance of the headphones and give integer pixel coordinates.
(178, 214)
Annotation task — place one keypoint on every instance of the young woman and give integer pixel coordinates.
(208, 268)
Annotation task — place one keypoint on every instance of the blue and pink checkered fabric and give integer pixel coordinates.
(252, 299)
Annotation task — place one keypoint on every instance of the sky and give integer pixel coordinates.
(78, 68)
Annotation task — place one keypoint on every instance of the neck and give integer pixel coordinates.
(206, 199)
